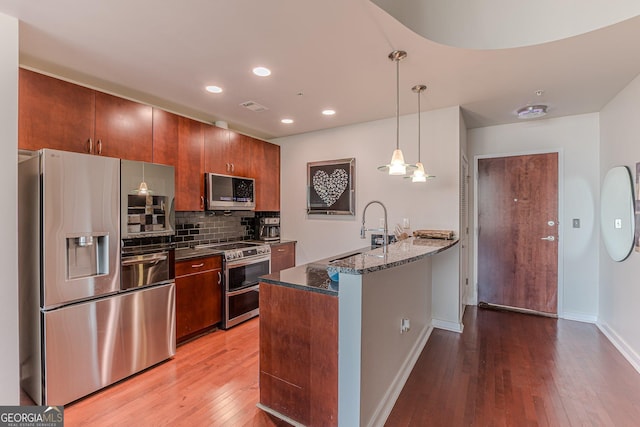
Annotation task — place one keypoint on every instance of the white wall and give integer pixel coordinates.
(9, 378)
(577, 138)
(620, 282)
(375, 358)
(433, 204)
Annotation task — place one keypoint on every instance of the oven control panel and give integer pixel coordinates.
(231, 255)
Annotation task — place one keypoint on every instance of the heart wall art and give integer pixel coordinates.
(331, 187)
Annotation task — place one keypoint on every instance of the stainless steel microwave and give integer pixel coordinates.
(225, 192)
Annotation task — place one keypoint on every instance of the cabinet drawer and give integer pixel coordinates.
(283, 256)
(197, 265)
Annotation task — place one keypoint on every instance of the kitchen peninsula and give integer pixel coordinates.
(378, 315)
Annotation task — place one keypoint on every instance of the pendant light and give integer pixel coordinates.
(142, 189)
(397, 166)
(419, 174)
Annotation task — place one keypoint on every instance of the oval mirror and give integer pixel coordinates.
(617, 222)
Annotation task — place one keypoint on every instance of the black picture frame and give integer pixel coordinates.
(331, 187)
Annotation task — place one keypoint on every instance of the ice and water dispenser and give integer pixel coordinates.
(87, 255)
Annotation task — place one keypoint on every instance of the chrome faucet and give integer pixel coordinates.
(363, 229)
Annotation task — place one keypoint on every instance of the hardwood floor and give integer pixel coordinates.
(512, 369)
(507, 369)
(212, 381)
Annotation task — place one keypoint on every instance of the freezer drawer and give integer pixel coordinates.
(90, 345)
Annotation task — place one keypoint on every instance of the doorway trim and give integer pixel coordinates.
(561, 224)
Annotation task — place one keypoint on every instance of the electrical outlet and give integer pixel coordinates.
(405, 325)
(617, 223)
(576, 222)
(406, 223)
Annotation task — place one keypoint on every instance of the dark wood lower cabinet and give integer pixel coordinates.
(299, 354)
(283, 256)
(198, 296)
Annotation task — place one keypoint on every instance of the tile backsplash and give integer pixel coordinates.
(199, 228)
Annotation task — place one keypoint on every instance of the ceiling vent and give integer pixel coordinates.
(254, 106)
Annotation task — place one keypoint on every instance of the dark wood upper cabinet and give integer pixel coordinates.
(123, 128)
(265, 168)
(190, 166)
(64, 116)
(216, 150)
(165, 137)
(54, 114)
(227, 152)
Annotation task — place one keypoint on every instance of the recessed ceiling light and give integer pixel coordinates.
(214, 89)
(328, 112)
(262, 71)
(287, 121)
(532, 111)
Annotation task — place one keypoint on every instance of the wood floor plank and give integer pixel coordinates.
(506, 369)
(519, 370)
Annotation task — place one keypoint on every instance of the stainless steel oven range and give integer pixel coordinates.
(244, 262)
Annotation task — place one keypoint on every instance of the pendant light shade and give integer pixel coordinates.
(419, 175)
(397, 166)
(142, 189)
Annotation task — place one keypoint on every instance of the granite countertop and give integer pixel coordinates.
(314, 277)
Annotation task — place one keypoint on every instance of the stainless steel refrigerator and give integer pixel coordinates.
(79, 331)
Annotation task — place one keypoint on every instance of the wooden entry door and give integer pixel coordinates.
(518, 231)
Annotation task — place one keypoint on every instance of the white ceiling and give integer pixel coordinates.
(333, 52)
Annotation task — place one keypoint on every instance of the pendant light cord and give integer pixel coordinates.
(419, 161)
(397, 103)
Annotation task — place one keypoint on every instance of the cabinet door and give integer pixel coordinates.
(240, 153)
(54, 114)
(198, 295)
(123, 128)
(189, 170)
(216, 150)
(283, 256)
(265, 168)
(165, 137)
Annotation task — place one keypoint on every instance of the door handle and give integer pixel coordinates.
(549, 238)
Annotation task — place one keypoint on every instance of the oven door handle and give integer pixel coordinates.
(146, 259)
(244, 290)
(248, 261)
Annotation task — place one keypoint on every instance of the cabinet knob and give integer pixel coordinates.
(99, 146)
(89, 145)
(197, 265)
(219, 278)
(202, 202)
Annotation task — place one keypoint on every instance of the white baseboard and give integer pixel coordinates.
(627, 352)
(579, 317)
(389, 400)
(447, 325)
